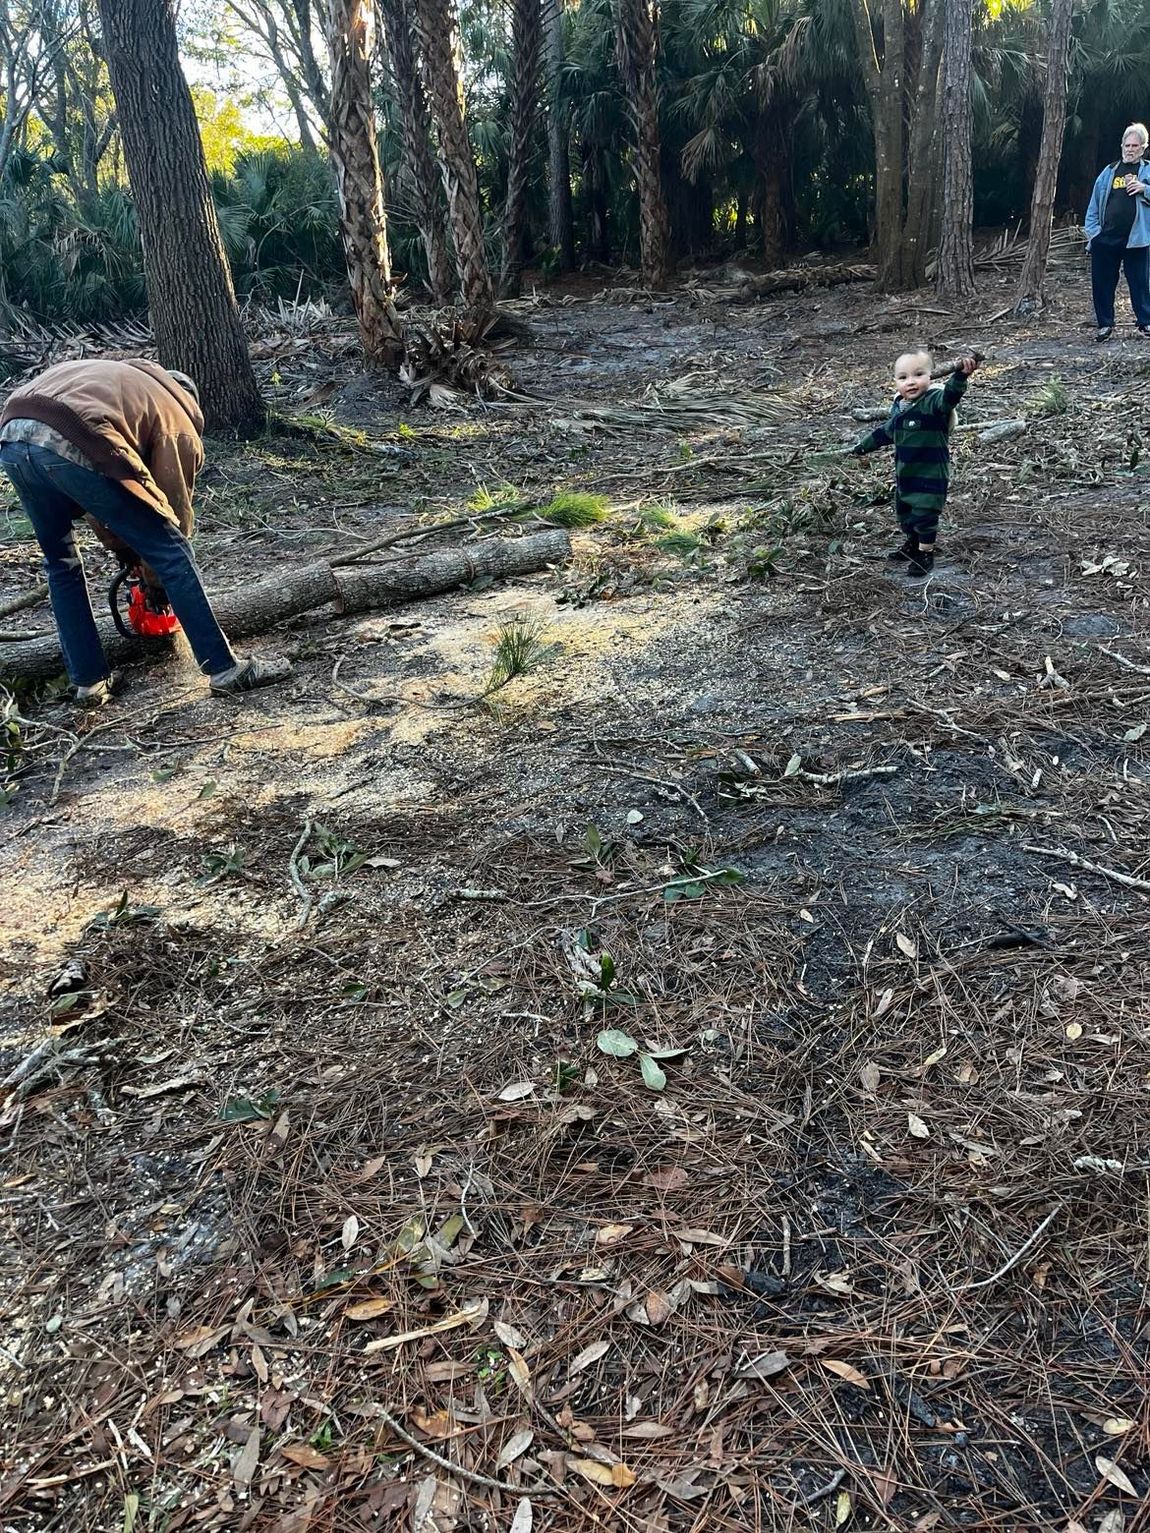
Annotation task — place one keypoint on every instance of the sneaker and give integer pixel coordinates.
(100, 692)
(1104, 332)
(247, 675)
(920, 564)
(907, 551)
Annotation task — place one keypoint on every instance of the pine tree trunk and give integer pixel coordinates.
(355, 155)
(1049, 154)
(416, 123)
(561, 222)
(438, 32)
(885, 84)
(635, 31)
(526, 42)
(956, 247)
(922, 173)
(190, 295)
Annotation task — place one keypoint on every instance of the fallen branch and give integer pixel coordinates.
(1013, 1261)
(255, 609)
(31, 598)
(829, 779)
(458, 1470)
(1063, 854)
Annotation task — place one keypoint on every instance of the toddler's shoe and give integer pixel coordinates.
(907, 550)
(920, 564)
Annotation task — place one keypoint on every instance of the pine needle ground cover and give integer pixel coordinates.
(706, 1090)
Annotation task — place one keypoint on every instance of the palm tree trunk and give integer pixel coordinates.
(956, 247)
(190, 295)
(416, 124)
(635, 34)
(561, 222)
(355, 154)
(1049, 154)
(438, 31)
(526, 38)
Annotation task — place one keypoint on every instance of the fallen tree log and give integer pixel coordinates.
(349, 588)
(796, 279)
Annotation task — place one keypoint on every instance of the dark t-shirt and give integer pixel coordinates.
(1118, 215)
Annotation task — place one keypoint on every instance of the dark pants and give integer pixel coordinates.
(918, 525)
(1106, 261)
(55, 495)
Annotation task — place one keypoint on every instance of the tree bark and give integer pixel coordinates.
(416, 123)
(1049, 154)
(355, 155)
(922, 171)
(350, 588)
(956, 246)
(190, 295)
(560, 220)
(526, 41)
(885, 83)
(635, 34)
(438, 31)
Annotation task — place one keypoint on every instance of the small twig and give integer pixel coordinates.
(1143, 670)
(293, 873)
(821, 1492)
(457, 1469)
(658, 782)
(1013, 1262)
(425, 530)
(1063, 854)
(828, 779)
(31, 598)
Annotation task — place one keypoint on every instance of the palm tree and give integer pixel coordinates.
(1049, 154)
(190, 294)
(416, 123)
(355, 154)
(560, 223)
(526, 43)
(438, 31)
(636, 46)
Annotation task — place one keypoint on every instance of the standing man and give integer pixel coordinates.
(1118, 233)
(122, 443)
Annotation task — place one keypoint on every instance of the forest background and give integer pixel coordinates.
(764, 129)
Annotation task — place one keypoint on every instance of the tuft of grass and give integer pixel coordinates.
(1051, 399)
(504, 497)
(576, 508)
(681, 543)
(658, 518)
(519, 649)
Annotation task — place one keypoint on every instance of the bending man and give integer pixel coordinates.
(121, 443)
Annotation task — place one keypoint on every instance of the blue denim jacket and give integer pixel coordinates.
(1140, 233)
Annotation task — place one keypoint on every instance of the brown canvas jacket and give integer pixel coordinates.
(131, 419)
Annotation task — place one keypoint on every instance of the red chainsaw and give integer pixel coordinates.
(147, 613)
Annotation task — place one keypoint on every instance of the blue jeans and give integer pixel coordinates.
(1106, 261)
(55, 494)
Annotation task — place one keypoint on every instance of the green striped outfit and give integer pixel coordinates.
(919, 432)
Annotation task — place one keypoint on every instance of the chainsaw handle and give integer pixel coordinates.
(121, 575)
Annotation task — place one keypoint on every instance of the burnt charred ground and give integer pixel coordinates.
(876, 1252)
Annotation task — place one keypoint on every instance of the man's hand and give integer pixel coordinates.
(966, 365)
(1134, 186)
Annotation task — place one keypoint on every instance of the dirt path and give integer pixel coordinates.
(875, 1255)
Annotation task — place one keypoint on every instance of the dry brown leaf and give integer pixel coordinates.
(701, 1238)
(368, 1309)
(516, 1091)
(884, 1002)
(906, 945)
(834, 1282)
(916, 1127)
(967, 1075)
(649, 1431)
(613, 1476)
(668, 1179)
(845, 1371)
(869, 1076)
(247, 1461)
(474, 1314)
(305, 1456)
(658, 1308)
(518, 1369)
(589, 1355)
(765, 1366)
(885, 1485)
(524, 1519)
(437, 1424)
(1115, 1426)
(1109, 1470)
(202, 1339)
(350, 1233)
(1113, 1522)
(612, 1234)
(508, 1335)
(515, 1447)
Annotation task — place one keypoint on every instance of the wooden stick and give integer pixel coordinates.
(1075, 861)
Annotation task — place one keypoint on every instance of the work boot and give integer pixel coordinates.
(907, 550)
(247, 675)
(100, 692)
(920, 564)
